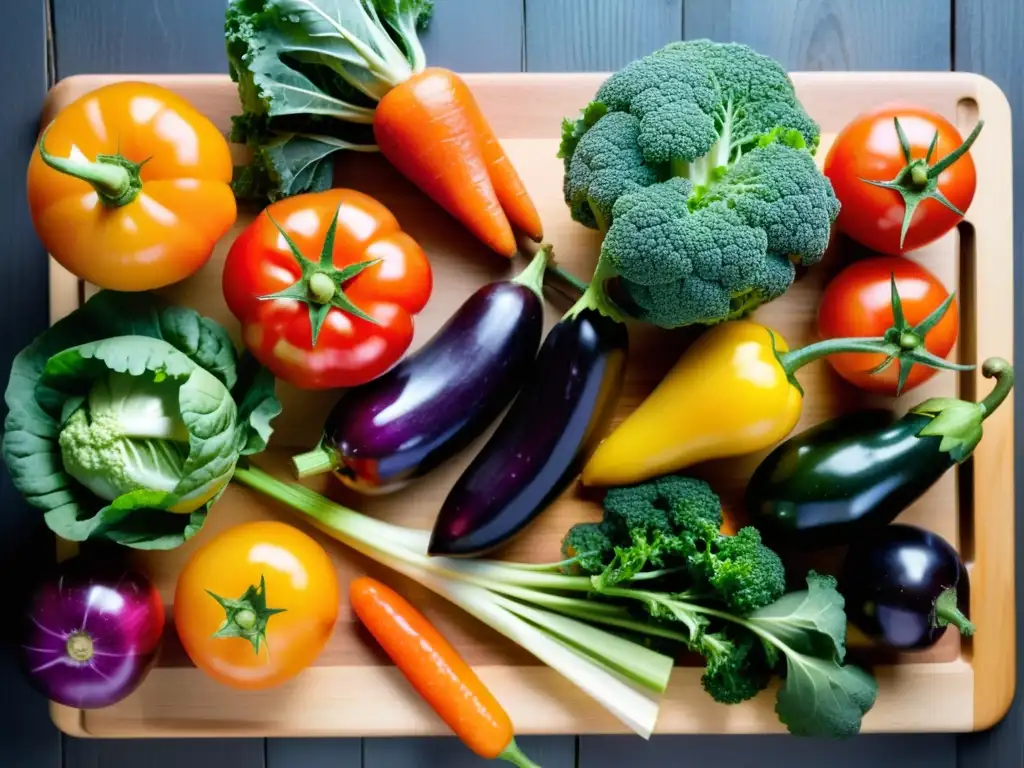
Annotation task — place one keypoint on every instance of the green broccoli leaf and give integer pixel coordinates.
(811, 621)
(821, 698)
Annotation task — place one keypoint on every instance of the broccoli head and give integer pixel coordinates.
(673, 523)
(736, 666)
(697, 161)
(681, 267)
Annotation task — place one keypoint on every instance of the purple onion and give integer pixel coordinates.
(91, 634)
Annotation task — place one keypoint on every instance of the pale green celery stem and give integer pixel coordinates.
(624, 658)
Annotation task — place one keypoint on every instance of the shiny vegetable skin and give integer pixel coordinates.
(382, 435)
(848, 477)
(810, 492)
(904, 586)
(129, 187)
(436, 671)
(542, 442)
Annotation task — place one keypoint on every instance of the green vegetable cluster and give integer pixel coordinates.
(697, 163)
(727, 597)
(126, 420)
(309, 76)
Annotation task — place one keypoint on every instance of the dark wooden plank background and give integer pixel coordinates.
(52, 39)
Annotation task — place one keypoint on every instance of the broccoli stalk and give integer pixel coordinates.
(697, 163)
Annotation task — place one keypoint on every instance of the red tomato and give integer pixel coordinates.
(332, 296)
(858, 303)
(869, 149)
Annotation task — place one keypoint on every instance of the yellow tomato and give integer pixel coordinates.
(256, 604)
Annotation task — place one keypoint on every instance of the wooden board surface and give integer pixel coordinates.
(353, 692)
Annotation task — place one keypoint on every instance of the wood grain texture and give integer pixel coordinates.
(27, 737)
(548, 751)
(987, 42)
(144, 36)
(350, 692)
(831, 34)
(167, 753)
(314, 753)
(476, 35)
(769, 752)
(597, 35)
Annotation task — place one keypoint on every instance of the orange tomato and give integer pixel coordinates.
(256, 604)
(129, 187)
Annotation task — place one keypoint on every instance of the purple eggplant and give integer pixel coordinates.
(546, 436)
(91, 633)
(383, 434)
(904, 585)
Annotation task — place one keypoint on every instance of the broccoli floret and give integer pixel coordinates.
(589, 548)
(674, 522)
(679, 267)
(605, 163)
(736, 666)
(698, 162)
(742, 570)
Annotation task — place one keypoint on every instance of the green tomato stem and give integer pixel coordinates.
(321, 288)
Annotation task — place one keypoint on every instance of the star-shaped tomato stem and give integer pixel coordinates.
(321, 285)
(918, 180)
(247, 616)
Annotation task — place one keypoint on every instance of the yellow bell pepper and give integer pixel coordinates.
(733, 392)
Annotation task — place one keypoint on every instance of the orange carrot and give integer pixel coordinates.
(432, 130)
(436, 671)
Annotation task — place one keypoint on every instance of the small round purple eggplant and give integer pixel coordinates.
(543, 440)
(387, 432)
(904, 585)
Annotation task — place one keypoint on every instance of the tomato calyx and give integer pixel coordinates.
(247, 616)
(321, 285)
(116, 179)
(901, 343)
(918, 180)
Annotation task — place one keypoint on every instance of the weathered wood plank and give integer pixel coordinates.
(597, 35)
(139, 36)
(164, 753)
(918, 751)
(27, 737)
(475, 36)
(549, 751)
(988, 42)
(314, 753)
(831, 34)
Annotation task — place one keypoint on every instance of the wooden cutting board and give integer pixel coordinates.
(353, 690)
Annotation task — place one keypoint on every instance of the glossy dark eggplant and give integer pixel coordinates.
(904, 586)
(543, 441)
(852, 475)
(383, 434)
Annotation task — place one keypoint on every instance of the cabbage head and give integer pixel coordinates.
(127, 418)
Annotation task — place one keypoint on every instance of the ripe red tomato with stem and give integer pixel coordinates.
(903, 175)
(326, 285)
(859, 302)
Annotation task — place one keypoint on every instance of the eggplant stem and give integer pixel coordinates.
(947, 612)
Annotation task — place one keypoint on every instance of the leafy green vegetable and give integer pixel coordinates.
(697, 162)
(634, 583)
(126, 420)
(309, 74)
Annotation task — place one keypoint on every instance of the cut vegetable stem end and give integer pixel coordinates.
(316, 462)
